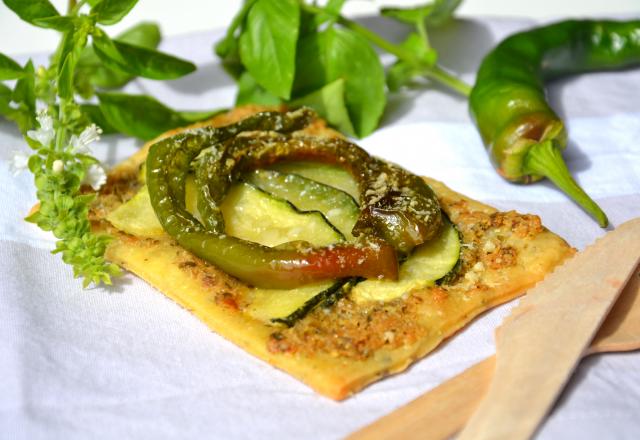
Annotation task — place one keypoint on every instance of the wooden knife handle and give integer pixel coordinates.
(438, 414)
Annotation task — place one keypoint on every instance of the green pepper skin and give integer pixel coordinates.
(168, 163)
(397, 207)
(508, 100)
(410, 209)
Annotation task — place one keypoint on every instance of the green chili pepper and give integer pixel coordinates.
(523, 134)
(395, 201)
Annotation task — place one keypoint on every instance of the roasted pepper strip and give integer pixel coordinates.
(523, 134)
(397, 207)
(170, 160)
(279, 268)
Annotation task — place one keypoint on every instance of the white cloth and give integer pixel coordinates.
(125, 362)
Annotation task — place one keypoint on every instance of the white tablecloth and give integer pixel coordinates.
(125, 362)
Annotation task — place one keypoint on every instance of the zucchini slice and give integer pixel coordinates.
(137, 217)
(426, 265)
(286, 306)
(328, 174)
(326, 298)
(254, 215)
(270, 304)
(451, 276)
(340, 209)
(249, 213)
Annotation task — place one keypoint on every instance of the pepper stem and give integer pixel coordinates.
(546, 159)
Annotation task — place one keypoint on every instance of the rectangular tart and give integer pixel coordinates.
(339, 350)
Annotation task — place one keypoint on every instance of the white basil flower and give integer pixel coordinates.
(45, 134)
(19, 162)
(80, 144)
(95, 176)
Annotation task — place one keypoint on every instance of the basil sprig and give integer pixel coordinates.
(296, 52)
(86, 62)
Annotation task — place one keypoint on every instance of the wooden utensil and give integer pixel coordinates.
(540, 343)
(443, 411)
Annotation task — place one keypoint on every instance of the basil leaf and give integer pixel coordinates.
(334, 6)
(408, 15)
(105, 49)
(250, 92)
(24, 92)
(139, 61)
(228, 48)
(23, 111)
(442, 11)
(330, 104)
(9, 69)
(311, 62)
(308, 24)
(225, 47)
(350, 57)
(93, 113)
(58, 23)
(65, 76)
(152, 64)
(72, 43)
(434, 13)
(24, 95)
(268, 44)
(231, 59)
(138, 115)
(91, 72)
(5, 99)
(143, 34)
(330, 13)
(32, 10)
(342, 54)
(414, 43)
(400, 74)
(112, 11)
(196, 116)
(142, 116)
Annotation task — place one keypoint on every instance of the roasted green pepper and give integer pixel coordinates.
(400, 210)
(523, 134)
(395, 206)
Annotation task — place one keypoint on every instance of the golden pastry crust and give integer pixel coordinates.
(339, 351)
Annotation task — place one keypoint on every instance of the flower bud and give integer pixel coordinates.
(58, 166)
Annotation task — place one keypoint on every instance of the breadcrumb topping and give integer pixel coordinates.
(357, 331)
